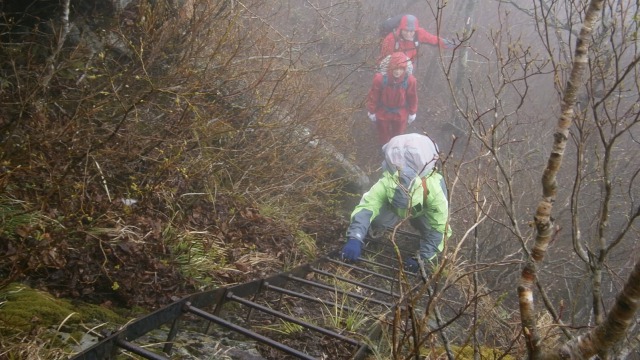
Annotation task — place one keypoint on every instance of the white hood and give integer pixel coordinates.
(410, 154)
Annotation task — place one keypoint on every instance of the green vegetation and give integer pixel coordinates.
(354, 320)
(25, 311)
(197, 256)
(23, 308)
(307, 245)
(284, 327)
(467, 353)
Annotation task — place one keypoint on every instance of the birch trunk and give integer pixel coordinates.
(543, 219)
(613, 329)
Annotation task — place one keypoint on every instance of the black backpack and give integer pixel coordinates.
(389, 25)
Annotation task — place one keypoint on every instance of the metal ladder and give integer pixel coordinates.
(373, 288)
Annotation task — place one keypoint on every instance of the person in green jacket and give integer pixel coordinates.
(410, 188)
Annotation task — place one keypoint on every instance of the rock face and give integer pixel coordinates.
(193, 345)
(190, 345)
(354, 175)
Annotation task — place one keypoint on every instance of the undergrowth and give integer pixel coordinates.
(160, 151)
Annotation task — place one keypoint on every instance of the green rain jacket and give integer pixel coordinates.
(402, 193)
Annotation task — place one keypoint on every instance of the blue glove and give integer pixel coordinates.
(411, 265)
(352, 249)
(448, 44)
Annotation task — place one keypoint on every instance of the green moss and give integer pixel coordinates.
(93, 313)
(466, 353)
(23, 309)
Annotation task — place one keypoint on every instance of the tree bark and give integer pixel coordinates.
(544, 222)
(613, 329)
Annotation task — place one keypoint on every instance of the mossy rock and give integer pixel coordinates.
(23, 309)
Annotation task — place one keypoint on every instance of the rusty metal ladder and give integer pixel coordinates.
(307, 283)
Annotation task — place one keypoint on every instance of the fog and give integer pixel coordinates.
(498, 94)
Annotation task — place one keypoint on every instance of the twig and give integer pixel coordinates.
(104, 181)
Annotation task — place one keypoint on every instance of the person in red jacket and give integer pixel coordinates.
(407, 37)
(392, 101)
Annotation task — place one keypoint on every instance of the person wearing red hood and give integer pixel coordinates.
(407, 37)
(392, 101)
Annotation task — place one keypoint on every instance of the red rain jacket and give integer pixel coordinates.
(409, 47)
(392, 103)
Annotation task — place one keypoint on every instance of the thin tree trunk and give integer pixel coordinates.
(462, 66)
(61, 38)
(476, 251)
(543, 219)
(614, 328)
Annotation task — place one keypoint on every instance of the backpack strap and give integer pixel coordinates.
(416, 43)
(425, 192)
(405, 84)
(405, 81)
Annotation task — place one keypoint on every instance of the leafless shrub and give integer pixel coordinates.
(165, 100)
